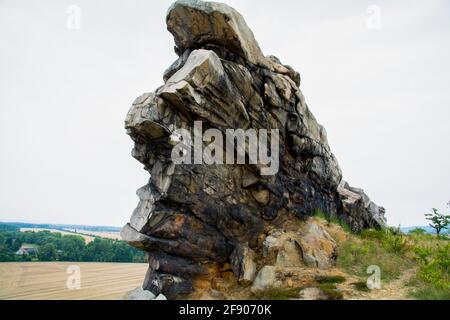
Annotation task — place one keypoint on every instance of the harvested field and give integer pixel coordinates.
(86, 237)
(48, 280)
(101, 234)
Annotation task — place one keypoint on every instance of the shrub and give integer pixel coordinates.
(376, 248)
(330, 279)
(431, 293)
(277, 294)
(432, 281)
(372, 234)
(333, 220)
(437, 271)
(391, 239)
(330, 291)
(395, 243)
(361, 286)
(422, 254)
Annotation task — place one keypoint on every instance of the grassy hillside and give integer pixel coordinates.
(424, 257)
(412, 266)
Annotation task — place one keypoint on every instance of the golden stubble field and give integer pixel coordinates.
(88, 236)
(48, 280)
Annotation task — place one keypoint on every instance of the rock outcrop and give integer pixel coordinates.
(141, 294)
(309, 245)
(193, 219)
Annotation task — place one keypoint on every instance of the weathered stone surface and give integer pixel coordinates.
(198, 23)
(244, 267)
(193, 218)
(265, 279)
(290, 255)
(310, 245)
(165, 263)
(358, 207)
(282, 249)
(151, 281)
(139, 294)
(317, 246)
(160, 297)
(204, 75)
(312, 294)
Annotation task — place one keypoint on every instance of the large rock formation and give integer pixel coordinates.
(193, 219)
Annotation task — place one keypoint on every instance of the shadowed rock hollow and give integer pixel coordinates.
(197, 221)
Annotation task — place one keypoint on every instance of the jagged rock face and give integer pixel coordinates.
(193, 218)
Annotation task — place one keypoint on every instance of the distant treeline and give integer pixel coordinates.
(427, 229)
(58, 247)
(18, 225)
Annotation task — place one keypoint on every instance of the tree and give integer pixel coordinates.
(47, 252)
(5, 254)
(438, 221)
(71, 247)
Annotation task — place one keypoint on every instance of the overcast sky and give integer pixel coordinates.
(379, 86)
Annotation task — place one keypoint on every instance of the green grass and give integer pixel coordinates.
(394, 252)
(431, 293)
(361, 286)
(331, 291)
(278, 294)
(385, 248)
(356, 255)
(432, 281)
(422, 290)
(330, 279)
(390, 239)
(333, 220)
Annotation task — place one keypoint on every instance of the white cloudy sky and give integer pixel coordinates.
(383, 96)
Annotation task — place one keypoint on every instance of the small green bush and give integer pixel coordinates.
(395, 243)
(278, 294)
(361, 286)
(391, 239)
(431, 293)
(432, 281)
(373, 234)
(437, 270)
(330, 279)
(423, 254)
(333, 220)
(331, 291)
(374, 248)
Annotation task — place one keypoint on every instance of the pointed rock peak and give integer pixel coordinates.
(195, 24)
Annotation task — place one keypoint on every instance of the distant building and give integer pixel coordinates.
(27, 250)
